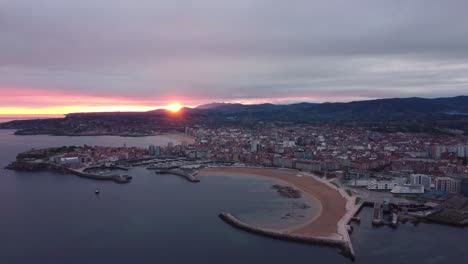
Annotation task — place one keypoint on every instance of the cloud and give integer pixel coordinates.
(149, 52)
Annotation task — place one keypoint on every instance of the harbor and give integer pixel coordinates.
(30, 166)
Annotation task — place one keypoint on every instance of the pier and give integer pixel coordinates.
(343, 245)
(112, 167)
(115, 178)
(191, 177)
(34, 166)
(377, 214)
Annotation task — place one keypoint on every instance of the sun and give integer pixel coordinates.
(174, 107)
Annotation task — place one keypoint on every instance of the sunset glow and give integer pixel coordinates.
(174, 107)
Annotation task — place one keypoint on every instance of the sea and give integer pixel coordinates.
(53, 218)
(7, 118)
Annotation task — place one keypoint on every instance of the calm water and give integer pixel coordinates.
(6, 118)
(52, 218)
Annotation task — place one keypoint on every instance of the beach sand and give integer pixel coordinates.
(324, 224)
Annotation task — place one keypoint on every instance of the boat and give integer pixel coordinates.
(96, 191)
(394, 219)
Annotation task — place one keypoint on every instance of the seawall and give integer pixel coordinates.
(190, 177)
(34, 166)
(343, 245)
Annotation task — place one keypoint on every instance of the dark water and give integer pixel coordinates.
(7, 118)
(52, 218)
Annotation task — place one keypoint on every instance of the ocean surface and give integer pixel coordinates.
(52, 218)
(6, 118)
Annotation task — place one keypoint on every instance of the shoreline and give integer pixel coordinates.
(30, 166)
(333, 205)
(180, 136)
(331, 226)
(308, 198)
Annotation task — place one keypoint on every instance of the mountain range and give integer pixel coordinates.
(394, 114)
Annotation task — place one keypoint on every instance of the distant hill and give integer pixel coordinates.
(394, 114)
(380, 108)
(218, 106)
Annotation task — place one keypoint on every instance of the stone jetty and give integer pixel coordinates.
(343, 245)
(35, 166)
(191, 177)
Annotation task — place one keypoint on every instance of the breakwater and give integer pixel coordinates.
(191, 177)
(112, 167)
(115, 178)
(34, 166)
(343, 245)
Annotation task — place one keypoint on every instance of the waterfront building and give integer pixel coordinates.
(462, 151)
(382, 185)
(282, 162)
(361, 182)
(448, 184)
(70, 160)
(157, 151)
(464, 187)
(357, 174)
(422, 179)
(408, 189)
(255, 146)
(307, 165)
(151, 150)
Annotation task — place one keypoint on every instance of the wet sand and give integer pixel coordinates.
(324, 224)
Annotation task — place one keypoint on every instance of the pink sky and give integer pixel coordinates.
(30, 101)
(58, 57)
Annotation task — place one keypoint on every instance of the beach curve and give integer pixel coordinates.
(333, 205)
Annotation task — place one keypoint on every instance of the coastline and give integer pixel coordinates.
(179, 136)
(35, 166)
(333, 205)
(308, 199)
(330, 228)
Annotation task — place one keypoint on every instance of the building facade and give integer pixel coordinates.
(448, 184)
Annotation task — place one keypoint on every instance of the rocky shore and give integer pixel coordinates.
(287, 191)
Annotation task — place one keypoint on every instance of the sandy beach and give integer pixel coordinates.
(332, 203)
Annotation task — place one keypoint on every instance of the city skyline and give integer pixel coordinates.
(59, 57)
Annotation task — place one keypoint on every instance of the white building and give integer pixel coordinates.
(408, 189)
(462, 151)
(422, 179)
(448, 184)
(255, 145)
(382, 185)
(362, 182)
(386, 184)
(70, 160)
(390, 148)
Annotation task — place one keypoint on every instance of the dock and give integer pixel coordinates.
(34, 166)
(191, 177)
(377, 214)
(115, 178)
(343, 245)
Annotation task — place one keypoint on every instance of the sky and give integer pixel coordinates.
(61, 56)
